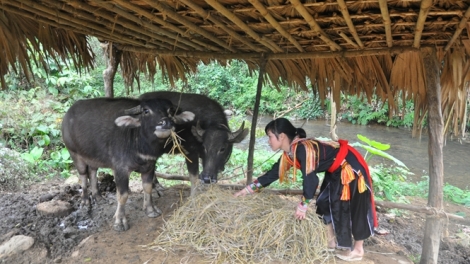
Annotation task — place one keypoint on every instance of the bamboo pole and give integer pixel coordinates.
(275, 56)
(167, 11)
(387, 22)
(206, 15)
(313, 24)
(348, 40)
(424, 209)
(460, 27)
(265, 13)
(151, 30)
(423, 12)
(329, 19)
(237, 21)
(344, 10)
(165, 24)
(114, 20)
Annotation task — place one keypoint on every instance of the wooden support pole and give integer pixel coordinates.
(433, 227)
(113, 58)
(251, 146)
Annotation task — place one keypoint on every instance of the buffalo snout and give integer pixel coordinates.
(207, 179)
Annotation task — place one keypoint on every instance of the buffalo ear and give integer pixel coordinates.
(198, 132)
(184, 117)
(127, 121)
(239, 135)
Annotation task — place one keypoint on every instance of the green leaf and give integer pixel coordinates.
(373, 143)
(36, 152)
(28, 157)
(378, 152)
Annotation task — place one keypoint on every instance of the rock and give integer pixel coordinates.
(9, 235)
(72, 180)
(228, 112)
(54, 208)
(16, 245)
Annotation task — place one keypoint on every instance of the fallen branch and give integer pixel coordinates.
(424, 209)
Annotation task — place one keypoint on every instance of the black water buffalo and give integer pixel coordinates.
(122, 134)
(207, 137)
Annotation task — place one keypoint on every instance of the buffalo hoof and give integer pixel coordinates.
(98, 199)
(120, 227)
(154, 213)
(85, 203)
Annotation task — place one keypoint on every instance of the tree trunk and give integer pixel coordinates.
(433, 227)
(251, 146)
(113, 58)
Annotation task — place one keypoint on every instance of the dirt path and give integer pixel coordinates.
(87, 236)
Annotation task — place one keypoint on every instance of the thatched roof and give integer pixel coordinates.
(370, 46)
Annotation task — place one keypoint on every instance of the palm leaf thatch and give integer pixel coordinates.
(25, 41)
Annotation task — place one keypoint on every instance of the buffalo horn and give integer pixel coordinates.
(134, 110)
(235, 134)
(199, 130)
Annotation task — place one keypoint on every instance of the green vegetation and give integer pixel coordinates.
(31, 114)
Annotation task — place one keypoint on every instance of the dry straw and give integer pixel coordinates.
(260, 228)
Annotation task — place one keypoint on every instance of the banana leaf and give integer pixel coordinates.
(373, 143)
(379, 152)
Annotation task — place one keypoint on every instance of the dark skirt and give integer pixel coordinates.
(353, 217)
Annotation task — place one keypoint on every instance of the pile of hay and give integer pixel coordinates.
(259, 228)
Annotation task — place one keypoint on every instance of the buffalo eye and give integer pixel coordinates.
(222, 150)
(146, 111)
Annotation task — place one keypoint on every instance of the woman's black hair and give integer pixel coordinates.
(282, 125)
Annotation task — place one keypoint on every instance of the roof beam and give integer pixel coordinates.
(423, 13)
(265, 13)
(167, 11)
(459, 29)
(237, 21)
(348, 40)
(344, 10)
(206, 15)
(313, 24)
(152, 30)
(387, 22)
(274, 56)
(151, 17)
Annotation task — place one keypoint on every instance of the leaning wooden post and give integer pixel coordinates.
(113, 58)
(433, 227)
(251, 146)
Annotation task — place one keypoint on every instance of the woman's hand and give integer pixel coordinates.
(300, 212)
(242, 192)
(245, 191)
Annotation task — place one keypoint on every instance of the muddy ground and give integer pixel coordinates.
(86, 236)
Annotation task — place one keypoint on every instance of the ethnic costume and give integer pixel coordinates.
(345, 198)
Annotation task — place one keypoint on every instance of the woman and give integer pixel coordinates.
(345, 203)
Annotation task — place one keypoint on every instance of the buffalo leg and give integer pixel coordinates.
(147, 183)
(95, 193)
(83, 170)
(122, 193)
(193, 169)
